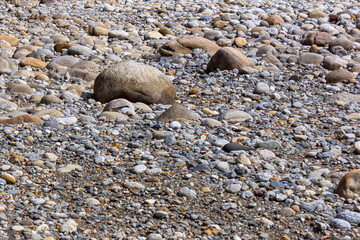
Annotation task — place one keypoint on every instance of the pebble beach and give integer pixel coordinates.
(151, 120)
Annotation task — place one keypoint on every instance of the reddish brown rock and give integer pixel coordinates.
(27, 118)
(333, 18)
(228, 58)
(318, 38)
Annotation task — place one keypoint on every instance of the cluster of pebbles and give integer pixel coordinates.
(231, 119)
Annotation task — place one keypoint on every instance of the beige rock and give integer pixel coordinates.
(21, 88)
(113, 115)
(17, 228)
(26, 118)
(212, 123)
(153, 35)
(8, 177)
(24, 73)
(49, 111)
(349, 185)
(239, 41)
(10, 39)
(78, 88)
(185, 44)
(340, 75)
(98, 31)
(59, 38)
(165, 31)
(32, 62)
(136, 82)
(235, 116)
(49, 99)
(316, 14)
(68, 168)
(117, 104)
(42, 77)
(177, 113)
(228, 58)
(275, 20)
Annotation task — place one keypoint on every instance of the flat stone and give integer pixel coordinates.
(349, 216)
(8, 178)
(236, 147)
(21, 88)
(133, 185)
(234, 116)
(26, 118)
(270, 144)
(340, 75)
(178, 113)
(69, 226)
(68, 168)
(32, 62)
(186, 44)
(10, 39)
(340, 223)
(187, 192)
(113, 115)
(311, 58)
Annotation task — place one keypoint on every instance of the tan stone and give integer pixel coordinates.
(21, 88)
(112, 115)
(10, 39)
(78, 88)
(177, 112)
(228, 58)
(32, 62)
(340, 75)
(239, 41)
(316, 14)
(26, 118)
(185, 44)
(275, 20)
(50, 112)
(8, 178)
(49, 99)
(349, 185)
(136, 82)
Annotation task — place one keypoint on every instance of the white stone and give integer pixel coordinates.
(68, 226)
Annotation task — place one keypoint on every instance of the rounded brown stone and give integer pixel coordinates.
(8, 178)
(10, 39)
(32, 62)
